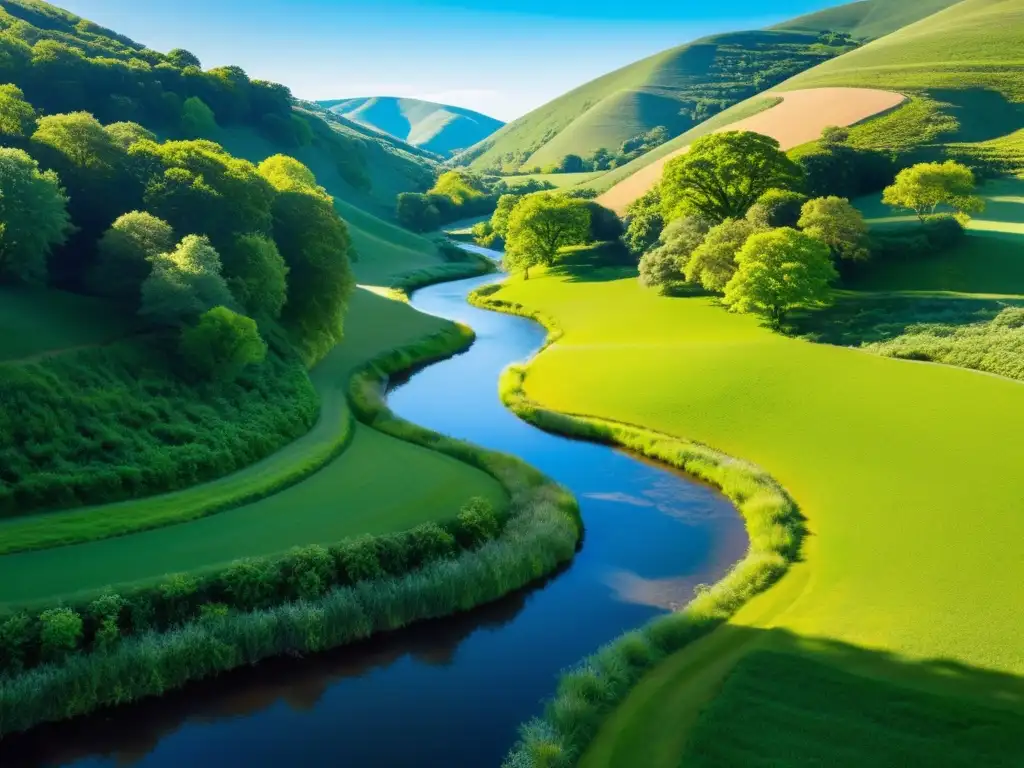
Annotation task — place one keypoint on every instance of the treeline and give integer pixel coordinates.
(603, 159)
(458, 195)
(738, 217)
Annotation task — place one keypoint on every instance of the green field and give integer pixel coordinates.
(870, 18)
(37, 322)
(887, 459)
(560, 180)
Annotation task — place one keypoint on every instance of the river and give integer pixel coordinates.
(451, 692)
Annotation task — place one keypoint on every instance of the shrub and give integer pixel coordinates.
(126, 253)
(713, 262)
(222, 344)
(17, 636)
(477, 523)
(777, 208)
(60, 633)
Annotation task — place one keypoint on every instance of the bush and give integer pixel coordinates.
(478, 523)
(222, 344)
(777, 208)
(60, 632)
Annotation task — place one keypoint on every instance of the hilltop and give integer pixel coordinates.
(438, 128)
(868, 19)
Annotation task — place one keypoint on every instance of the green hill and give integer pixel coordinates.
(868, 19)
(964, 70)
(438, 128)
(676, 89)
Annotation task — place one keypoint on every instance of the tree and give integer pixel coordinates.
(571, 164)
(286, 173)
(665, 266)
(777, 208)
(126, 253)
(499, 220)
(644, 222)
(541, 225)
(222, 343)
(184, 283)
(181, 58)
(33, 216)
(416, 212)
(457, 186)
(837, 224)
(713, 262)
(17, 116)
(779, 271)
(197, 119)
(126, 134)
(724, 174)
(924, 187)
(256, 274)
(80, 140)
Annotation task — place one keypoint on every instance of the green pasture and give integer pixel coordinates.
(868, 18)
(560, 180)
(908, 475)
(379, 484)
(36, 321)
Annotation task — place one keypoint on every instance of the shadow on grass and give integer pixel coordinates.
(795, 701)
(857, 319)
(983, 115)
(595, 263)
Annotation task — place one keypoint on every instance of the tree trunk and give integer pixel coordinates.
(526, 273)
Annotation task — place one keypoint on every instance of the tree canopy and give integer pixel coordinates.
(222, 343)
(777, 208)
(257, 275)
(539, 226)
(17, 116)
(184, 283)
(713, 262)
(724, 174)
(840, 226)
(924, 187)
(197, 119)
(126, 253)
(665, 266)
(33, 216)
(778, 271)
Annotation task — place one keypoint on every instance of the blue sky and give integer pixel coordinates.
(501, 57)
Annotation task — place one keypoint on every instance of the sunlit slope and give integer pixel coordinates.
(618, 106)
(868, 19)
(798, 119)
(438, 128)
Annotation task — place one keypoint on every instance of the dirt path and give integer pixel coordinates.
(799, 119)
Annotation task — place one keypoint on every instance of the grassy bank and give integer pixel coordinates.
(845, 432)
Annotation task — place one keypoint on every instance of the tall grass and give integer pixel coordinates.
(542, 532)
(588, 693)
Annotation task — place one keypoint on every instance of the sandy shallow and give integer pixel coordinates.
(799, 119)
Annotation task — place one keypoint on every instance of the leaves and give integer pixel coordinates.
(924, 187)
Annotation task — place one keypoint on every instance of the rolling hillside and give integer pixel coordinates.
(437, 128)
(868, 19)
(676, 89)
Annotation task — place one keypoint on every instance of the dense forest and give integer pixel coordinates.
(231, 278)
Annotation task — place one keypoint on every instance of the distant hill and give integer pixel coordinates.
(868, 19)
(438, 128)
(676, 89)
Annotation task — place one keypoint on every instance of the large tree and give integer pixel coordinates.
(126, 253)
(17, 116)
(33, 216)
(724, 174)
(540, 226)
(924, 187)
(779, 271)
(839, 225)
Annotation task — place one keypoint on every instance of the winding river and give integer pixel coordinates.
(451, 692)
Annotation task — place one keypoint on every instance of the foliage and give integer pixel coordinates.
(197, 120)
(779, 271)
(126, 254)
(184, 283)
(222, 343)
(17, 116)
(665, 267)
(926, 186)
(840, 226)
(714, 261)
(33, 216)
(843, 170)
(541, 225)
(127, 133)
(60, 631)
(724, 174)
(934, 235)
(258, 276)
(644, 222)
(605, 225)
(417, 212)
(316, 246)
(502, 213)
(777, 208)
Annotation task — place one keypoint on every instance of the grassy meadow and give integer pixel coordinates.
(896, 561)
